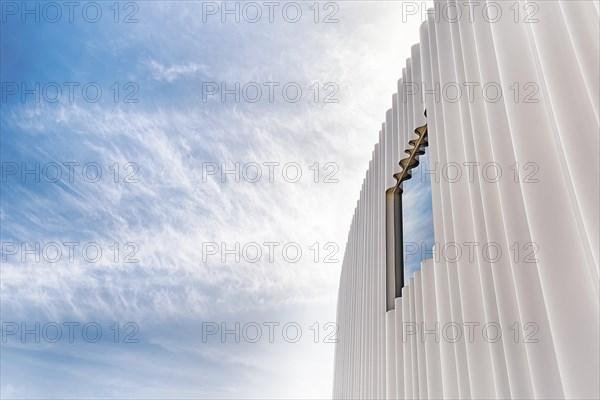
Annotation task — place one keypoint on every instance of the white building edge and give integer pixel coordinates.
(547, 309)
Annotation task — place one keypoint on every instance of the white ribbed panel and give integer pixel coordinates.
(438, 142)
(390, 361)
(435, 387)
(396, 118)
(582, 22)
(412, 339)
(406, 344)
(399, 348)
(532, 126)
(405, 121)
(478, 233)
(555, 292)
(418, 300)
(571, 111)
(470, 286)
(516, 366)
(541, 356)
(447, 351)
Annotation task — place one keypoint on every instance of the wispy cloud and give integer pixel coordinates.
(172, 72)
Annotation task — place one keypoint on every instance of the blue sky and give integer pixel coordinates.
(166, 211)
(418, 217)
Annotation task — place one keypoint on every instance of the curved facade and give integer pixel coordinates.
(507, 305)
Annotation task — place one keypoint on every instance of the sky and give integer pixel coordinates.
(137, 154)
(417, 217)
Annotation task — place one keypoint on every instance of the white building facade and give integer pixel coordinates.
(507, 306)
